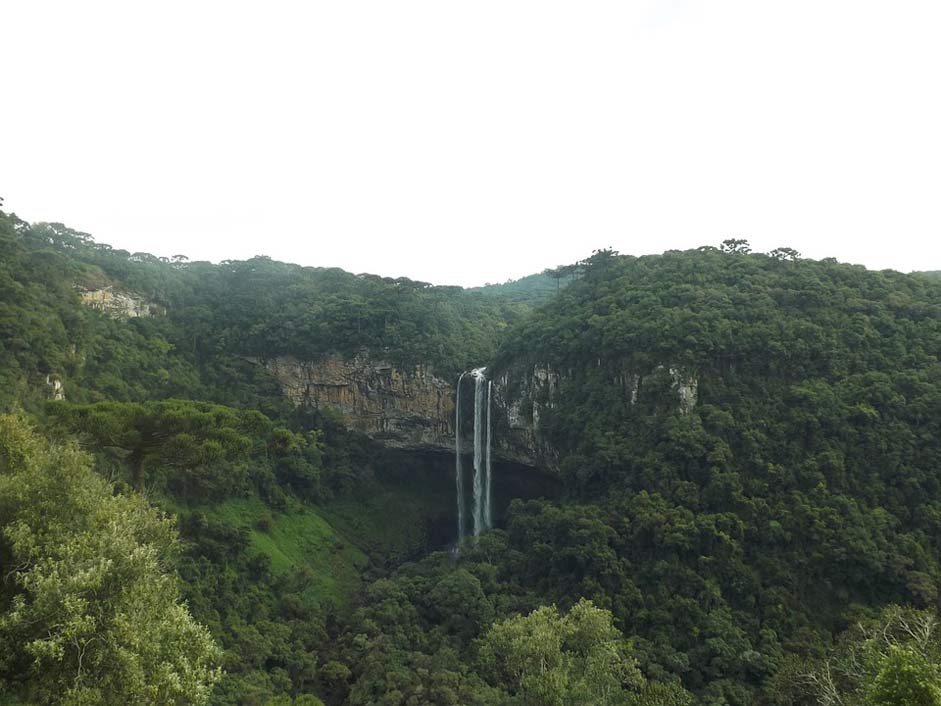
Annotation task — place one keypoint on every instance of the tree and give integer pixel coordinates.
(905, 677)
(173, 433)
(599, 261)
(550, 659)
(737, 246)
(785, 254)
(891, 660)
(458, 604)
(556, 273)
(88, 612)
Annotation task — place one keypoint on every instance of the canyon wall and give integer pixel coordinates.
(403, 408)
(411, 408)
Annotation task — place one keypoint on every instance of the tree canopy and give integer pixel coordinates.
(89, 613)
(743, 454)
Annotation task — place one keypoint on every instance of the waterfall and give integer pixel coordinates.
(488, 522)
(459, 470)
(479, 380)
(482, 494)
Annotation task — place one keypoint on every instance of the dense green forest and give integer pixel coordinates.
(216, 316)
(174, 531)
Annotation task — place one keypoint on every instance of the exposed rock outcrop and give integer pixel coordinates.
(406, 409)
(118, 304)
(526, 393)
(414, 409)
(687, 389)
(56, 388)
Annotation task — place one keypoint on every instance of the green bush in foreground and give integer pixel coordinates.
(89, 613)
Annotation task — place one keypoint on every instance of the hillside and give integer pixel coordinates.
(534, 289)
(794, 492)
(150, 362)
(743, 466)
(186, 329)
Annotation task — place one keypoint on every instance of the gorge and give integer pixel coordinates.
(733, 454)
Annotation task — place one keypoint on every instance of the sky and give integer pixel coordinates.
(472, 142)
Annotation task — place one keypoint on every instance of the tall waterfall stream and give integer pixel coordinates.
(481, 517)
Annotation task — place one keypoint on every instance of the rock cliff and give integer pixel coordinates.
(118, 304)
(525, 393)
(414, 409)
(406, 409)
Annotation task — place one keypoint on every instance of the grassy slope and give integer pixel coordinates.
(297, 539)
(387, 522)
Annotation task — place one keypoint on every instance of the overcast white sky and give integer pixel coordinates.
(473, 142)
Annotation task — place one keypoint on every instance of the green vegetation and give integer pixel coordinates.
(213, 320)
(88, 614)
(747, 546)
(547, 659)
(191, 440)
(533, 289)
(800, 492)
(379, 516)
(892, 658)
(298, 540)
(797, 496)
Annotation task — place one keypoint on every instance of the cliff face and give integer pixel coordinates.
(413, 409)
(406, 409)
(521, 396)
(525, 393)
(117, 304)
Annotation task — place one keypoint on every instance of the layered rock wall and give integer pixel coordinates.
(526, 393)
(117, 304)
(523, 395)
(414, 409)
(407, 409)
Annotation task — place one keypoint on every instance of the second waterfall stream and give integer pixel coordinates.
(481, 517)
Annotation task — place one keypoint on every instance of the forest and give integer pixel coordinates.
(173, 530)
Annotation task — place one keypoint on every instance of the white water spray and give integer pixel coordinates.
(459, 470)
(479, 380)
(480, 511)
(488, 522)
